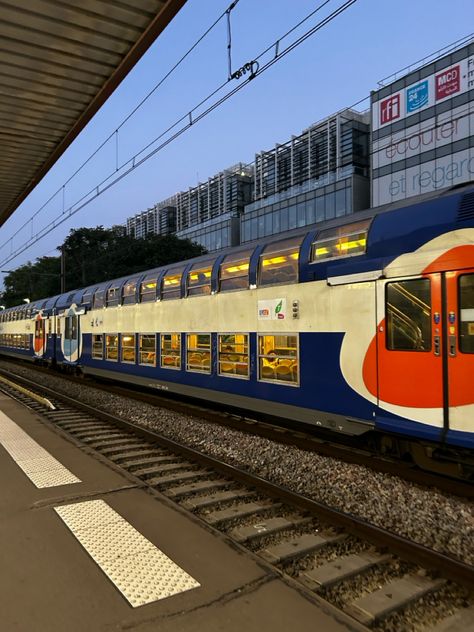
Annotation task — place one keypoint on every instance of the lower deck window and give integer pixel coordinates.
(234, 355)
(111, 347)
(98, 346)
(278, 358)
(128, 348)
(171, 351)
(147, 349)
(198, 353)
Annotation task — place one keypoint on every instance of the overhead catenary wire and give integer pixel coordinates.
(189, 119)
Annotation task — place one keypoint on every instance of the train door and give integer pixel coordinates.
(460, 349)
(71, 344)
(425, 342)
(39, 339)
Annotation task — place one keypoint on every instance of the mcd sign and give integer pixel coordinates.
(390, 109)
(448, 82)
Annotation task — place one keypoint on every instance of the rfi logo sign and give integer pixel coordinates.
(417, 96)
(448, 82)
(390, 109)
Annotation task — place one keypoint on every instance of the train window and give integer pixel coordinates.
(98, 301)
(148, 289)
(70, 328)
(199, 279)
(129, 292)
(234, 272)
(147, 349)
(171, 351)
(171, 287)
(278, 358)
(58, 326)
(343, 241)
(198, 353)
(87, 298)
(279, 262)
(466, 316)
(111, 347)
(98, 346)
(113, 296)
(408, 315)
(234, 355)
(128, 348)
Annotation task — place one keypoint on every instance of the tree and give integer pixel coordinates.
(93, 255)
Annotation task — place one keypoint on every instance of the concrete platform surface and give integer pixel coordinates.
(49, 581)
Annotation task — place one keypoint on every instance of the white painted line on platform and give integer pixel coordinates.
(140, 571)
(42, 469)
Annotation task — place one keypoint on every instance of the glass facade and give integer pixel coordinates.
(309, 208)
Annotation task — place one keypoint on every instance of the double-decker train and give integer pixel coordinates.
(362, 328)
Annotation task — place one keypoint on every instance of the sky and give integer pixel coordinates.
(333, 69)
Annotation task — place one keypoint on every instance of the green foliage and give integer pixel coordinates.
(93, 255)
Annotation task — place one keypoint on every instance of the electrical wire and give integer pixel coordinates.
(135, 161)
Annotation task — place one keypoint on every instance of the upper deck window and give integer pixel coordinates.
(199, 278)
(234, 271)
(113, 295)
(129, 292)
(343, 241)
(172, 284)
(279, 262)
(98, 299)
(148, 288)
(87, 297)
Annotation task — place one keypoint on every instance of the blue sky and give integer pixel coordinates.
(333, 69)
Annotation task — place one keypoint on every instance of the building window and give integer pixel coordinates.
(199, 279)
(234, 271)
(344, 241)
(408, 315)
(233, 352)
(171, 287)
(128, 348)
(279, 262)
(170, 351)
(98, 347)
(147, 349)
(466, 316)
(148, 289)
(111, 347)
(278, 358)
(198, 352)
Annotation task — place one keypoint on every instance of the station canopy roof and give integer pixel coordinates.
(59, 61)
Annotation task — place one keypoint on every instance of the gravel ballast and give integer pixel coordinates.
(427, 516)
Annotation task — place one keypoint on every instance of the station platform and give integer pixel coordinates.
(84, 547)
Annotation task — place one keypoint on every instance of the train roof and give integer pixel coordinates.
(392, 227)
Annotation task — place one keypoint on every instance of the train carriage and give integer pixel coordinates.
(363, 328)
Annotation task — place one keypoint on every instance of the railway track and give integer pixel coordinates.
(286, 435)
(383, 581)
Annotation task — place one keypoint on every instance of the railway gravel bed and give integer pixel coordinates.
(434, 519)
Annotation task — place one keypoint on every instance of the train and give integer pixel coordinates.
(362, 328)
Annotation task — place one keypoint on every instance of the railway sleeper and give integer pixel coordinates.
(299, 547)
(223, 496)
(197, 487)
(177, 477)
(345, 567)
(265, 528)
(394, 596)
(238, 512)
